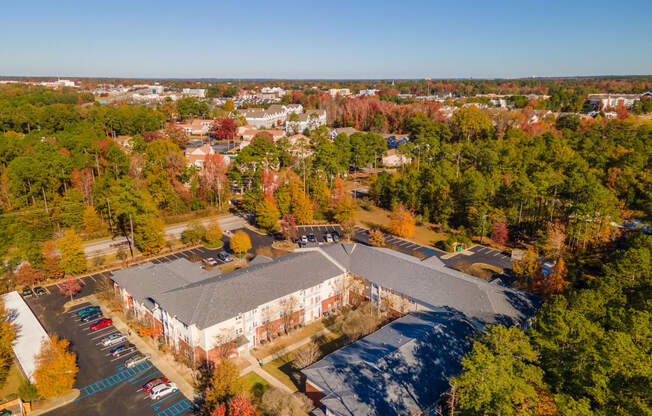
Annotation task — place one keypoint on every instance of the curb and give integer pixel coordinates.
(55, 403)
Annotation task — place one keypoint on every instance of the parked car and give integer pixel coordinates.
(153, 383)
(224, 256)
(311, 238)
(91, 316)
(328, 238)
(88, 310)
(27, 292)
(304, 239)
(336, 236)
(302, 244)
(102, 323)
(162, 390)
(210, 262)
(116, 351)
(39, 291)
(113, 339)
(136, 360)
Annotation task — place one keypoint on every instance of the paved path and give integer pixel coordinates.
(256, 368)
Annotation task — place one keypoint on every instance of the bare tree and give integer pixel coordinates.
(306, 355)
(289, 306)
(224, 346)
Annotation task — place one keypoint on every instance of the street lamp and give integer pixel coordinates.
(484, 219)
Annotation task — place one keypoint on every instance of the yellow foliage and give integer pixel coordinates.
(240, 243)
(56, 368)
(401, 222)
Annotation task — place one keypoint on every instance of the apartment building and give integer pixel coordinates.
(198, 311)
(273, 116)
(310, 120)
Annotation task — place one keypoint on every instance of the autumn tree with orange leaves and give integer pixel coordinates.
(551, 284)
(402, 222)
(56, 368)
(376, 238)
(213, 176)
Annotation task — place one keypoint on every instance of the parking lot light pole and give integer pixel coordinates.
(484, 219)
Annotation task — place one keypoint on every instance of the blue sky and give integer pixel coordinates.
(325, 39)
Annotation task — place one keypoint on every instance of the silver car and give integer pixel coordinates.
(113, 339)
(133, 361)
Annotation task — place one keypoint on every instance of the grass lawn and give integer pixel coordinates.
(254, 384)
(282, 367)
(15, 378)
(379, 218)
(218, 244)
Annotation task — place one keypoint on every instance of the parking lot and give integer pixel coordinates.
(407, 247)
(106, 386)
(319, 231)
(486, 255)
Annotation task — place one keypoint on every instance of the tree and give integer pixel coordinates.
(267, 215)
(306, 356)
(73, 259)
(499, 233)
(224, 128)
(240, 243)
(552, 283)
(92, 223)
(148, 234)
(176, 135)
(345, 209)
(302, 208)
(213, 176)
(51, 261)
(401, 222)
(69, 287)
(224, 384)
(27, 275)
(525, 267)
(556, 240)
(500, 375)
(194, 233)
(7, 338)
(241, 405)
(56, 368)
(276, 402)
(213, 233)
(376, 238)
(471, 123)
(289, 227)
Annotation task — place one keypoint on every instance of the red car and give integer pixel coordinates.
(153, 383)
(102, 323)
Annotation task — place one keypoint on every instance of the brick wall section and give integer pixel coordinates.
(266, 331)
(314, 394)
(328, 305)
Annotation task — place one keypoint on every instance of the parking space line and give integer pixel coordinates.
(107, 334)
(165, 398)
(143, 378)
(176, 409)
(97, 331)
(92, 278)
(123, 355)
(112, 380)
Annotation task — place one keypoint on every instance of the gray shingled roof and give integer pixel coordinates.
(144, 281)
(217, 299)
(400, 369)
(434, 285)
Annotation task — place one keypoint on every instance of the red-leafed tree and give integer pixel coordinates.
(27, 275)
(69, 287)
(551, 284)
(213, 175)
(289, 227)
(499, 232)
(621, 110)
(270, 180)
(241, 405)
(224, 128)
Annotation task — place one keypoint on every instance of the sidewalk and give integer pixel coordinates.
(56, 403)
(256, 368)
(159, 359)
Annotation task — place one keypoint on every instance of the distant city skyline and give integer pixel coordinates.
(329, 40)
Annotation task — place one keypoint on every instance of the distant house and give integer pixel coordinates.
(196, 126)
(194, 92)
(196, 155)
(273, 116)
(247, 132)
(310, 120)
(368, 92)
(124, 142)
(394, 159)
(343, 92)
(346, 130)
(612, 100)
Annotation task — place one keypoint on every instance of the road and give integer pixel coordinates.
(110, 245)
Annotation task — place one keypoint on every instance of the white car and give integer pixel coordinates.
(328, 238)
(304, 239)
(162, 390)
(210, 262)
(113, 339)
